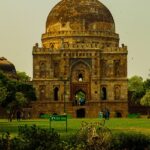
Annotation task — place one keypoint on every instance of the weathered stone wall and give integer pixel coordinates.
(99, 69)
(80, 53)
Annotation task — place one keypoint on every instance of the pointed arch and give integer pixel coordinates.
(80, 62)
(80, 97)
(42, 69)
(104, 93)
(117, 92)
(56, 90)
(80, 71)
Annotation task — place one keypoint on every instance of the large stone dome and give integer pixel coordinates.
(7, 67)
(79, 15)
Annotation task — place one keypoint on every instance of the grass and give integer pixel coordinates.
(141, 125)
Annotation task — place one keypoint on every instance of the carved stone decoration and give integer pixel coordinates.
(42, 92)
(95, 66)
(56, 69)
(103, 68)
(88, 61)
(52, 45)
(117, 92)
(42, 69)
(123, 68)
(117, 68)
(36, 74)
(109, 69)
(78, 70)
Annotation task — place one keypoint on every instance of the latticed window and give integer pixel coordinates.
(56, 69)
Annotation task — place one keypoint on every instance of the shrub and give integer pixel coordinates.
(134, 115)
(91, 136)
(130, 141)
(5, 141)
(34, 138)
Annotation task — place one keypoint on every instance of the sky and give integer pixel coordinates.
(22, 23)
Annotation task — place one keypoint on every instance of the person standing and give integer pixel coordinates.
(18, 115)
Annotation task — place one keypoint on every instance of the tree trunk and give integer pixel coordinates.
(148, 113)
(10, 117)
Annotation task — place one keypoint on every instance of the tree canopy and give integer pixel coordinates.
(22, 76)
(136, 87)
(147, 84)
(145, 100)
(15, 94)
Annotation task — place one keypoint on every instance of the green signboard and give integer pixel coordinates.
(58, 118)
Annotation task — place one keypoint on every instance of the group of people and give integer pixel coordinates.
(79, 102)
(20, 115)
(104, 114)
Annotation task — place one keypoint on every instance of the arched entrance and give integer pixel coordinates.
(118, 114)
(80, 98)
(104, 93)
(56, 93)
(80, 113)
(80, 82)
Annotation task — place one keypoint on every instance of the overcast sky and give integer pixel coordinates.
(23, 21)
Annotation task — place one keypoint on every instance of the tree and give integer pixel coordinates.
(21, 100)
(16, 104)
(145, 101)
(147, 84)
(136, 87)
(22, 76)
(14, 94)
(3, 94)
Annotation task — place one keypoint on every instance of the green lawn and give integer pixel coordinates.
(124, 124)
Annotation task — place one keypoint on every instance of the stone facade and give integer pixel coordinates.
(80, 68)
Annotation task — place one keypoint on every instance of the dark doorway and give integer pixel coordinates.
(81, 113)
(104, 93)
(118, 114)
(56, 94)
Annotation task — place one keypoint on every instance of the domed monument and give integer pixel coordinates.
(7, 68)
(80, 68)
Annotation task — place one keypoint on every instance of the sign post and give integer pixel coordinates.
(58, 118)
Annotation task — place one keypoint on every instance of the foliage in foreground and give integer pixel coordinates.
(15, 94)
(136, 86)
(91, 136)
(145, 101)
(31, 138)
(130, 141)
